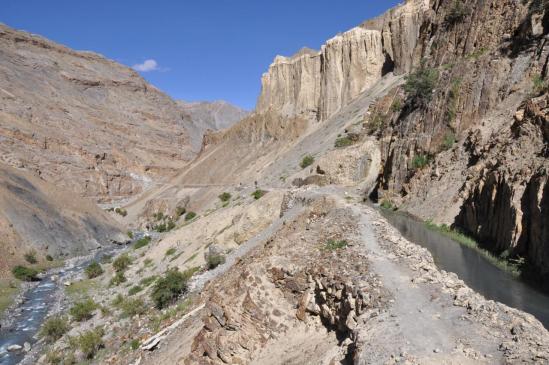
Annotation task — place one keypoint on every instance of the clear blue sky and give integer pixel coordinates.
(204, 49)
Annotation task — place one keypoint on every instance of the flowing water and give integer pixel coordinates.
(474, 269)
(37, 303)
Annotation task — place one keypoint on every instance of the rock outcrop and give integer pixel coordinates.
(318, 84)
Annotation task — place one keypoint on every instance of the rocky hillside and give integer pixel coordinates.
(35, 215)
(203, 116)
(91, 125)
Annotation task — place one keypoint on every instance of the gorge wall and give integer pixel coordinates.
(475, 155)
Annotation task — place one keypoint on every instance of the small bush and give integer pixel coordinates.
(225, 197)
(106, 259)
(449, 140)
(214, 261)
(134, 290)
(179, 211)
(54, 328)
(190, 215)
(94, 270)
(123, 261)
(396, 106)
(30, 257)
(258, 194)
(307, 161)
(148, 262)
(420, 85)
(25, 273)
(457, 13)
(134, 344)
(148, 280)
(540, 85)
(121, 211)
(420, 161)
(343, 142)
(131, 307)
(170, 225)
(169, 287)
(49, 258)
(333, 245)
(158, 216)
(56, 357)
(82, 311)
(90, 342)
(130, 234)
(142, 242)
(118, 279)
(387, 204)
(170, 251)
(376, 124)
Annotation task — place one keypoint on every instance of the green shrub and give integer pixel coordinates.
(169, 287)
(190, 215)
(343, 142)
(25, 273)
(258, 194)
(457, 13)
(449, 140)
(134, 290)
(396, 106)
(134, 344)
(179, 211)
(54, 328)
(148, 280)
(117, 300)
(130, 234)
(387, 204)
(123, 261)
(214, 261)
(49, 258)
(225, 197)
(106, 259)
(170, 251)
(56, 357)
(82, 311)
(420, 161)
(420, 85)
(333, 245)
(142, 242)
(158, 216)
(540, 85)
(121, 211)
(148, 262)
(90, 342)
(376, 123)
(93, 270)
(118, 279)
(30, 257)
(307, 161)
(131, 307)
(160, 228)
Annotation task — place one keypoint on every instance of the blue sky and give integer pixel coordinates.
(202, 49)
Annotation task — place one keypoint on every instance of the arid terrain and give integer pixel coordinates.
(259, 238)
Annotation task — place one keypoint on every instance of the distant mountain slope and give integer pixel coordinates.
(209, 115)
(84, 122)
(36, 215)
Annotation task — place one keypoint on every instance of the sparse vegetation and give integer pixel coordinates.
(121, 211)
(82, 311)
(258, 194)
(420, 85)
(453, 99)
(131, 307)
(148, 262)
(122, 262)
(30, 257)
(333, 245)
(106, 259)
(177, 310)
(130, 234)
(225, 197)
(449, 140)
(376, 124)
(135, 289)
(396, 106)
(541, 86)
(169, 287)
(170, 251)
(387, 204)
(158, 216)
(118, 279)
(475, 55)
(25, 273)
(93, 270)
(307, 161)
(148, 280)
(190, 215)
(80, 289)
(343, 142)
(134, 344)
(8, 290)
(90, 342)
(420, 161)
(215, 260)
(142, 242)
(54, 328)
(457, 13)
(49, 258)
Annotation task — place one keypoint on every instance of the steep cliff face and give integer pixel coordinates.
(318, 84)
(83, 122)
